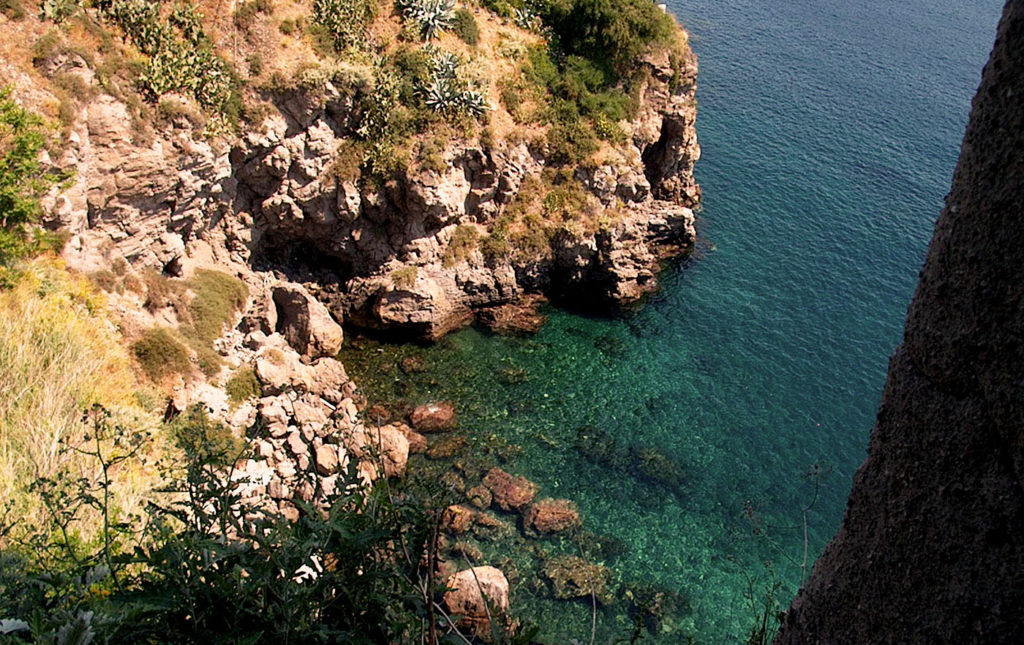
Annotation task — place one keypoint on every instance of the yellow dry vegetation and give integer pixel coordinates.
(59, 355)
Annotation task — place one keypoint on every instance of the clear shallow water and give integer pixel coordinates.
(830, 132)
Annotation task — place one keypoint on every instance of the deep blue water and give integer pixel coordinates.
(830, 130)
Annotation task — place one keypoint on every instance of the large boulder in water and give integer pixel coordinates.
(433, 417)
(469, 592)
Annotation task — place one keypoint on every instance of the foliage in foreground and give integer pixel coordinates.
(59, 354)
(198, 568)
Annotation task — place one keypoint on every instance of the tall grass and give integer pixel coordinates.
(59, 354)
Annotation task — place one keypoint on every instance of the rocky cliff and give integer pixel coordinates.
(403, 254)
(929, 550)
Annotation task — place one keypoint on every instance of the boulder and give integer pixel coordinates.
(548, 516)
(469, 593)
(327, 461)
(509, 493)
(385, 446)
(305, 323)
(417, 442)
(434, 417)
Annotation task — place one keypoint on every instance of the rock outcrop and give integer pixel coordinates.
(384, 255)
(469, 594)
(930, 549)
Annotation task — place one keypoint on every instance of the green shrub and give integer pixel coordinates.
(23, 179)
(291, 26)
(13, 9)
(344, 21)
(217, 297)
(465, 240)
(243, 385)
(570, 143)
(207, 440)
(160, 354)
(431, 155)
(405, 277)
(180, 57)
(612, 33)
(465, 27)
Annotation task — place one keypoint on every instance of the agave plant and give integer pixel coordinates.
(433, 16)
(447, 92)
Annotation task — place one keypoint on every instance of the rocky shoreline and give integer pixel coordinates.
(406, 256)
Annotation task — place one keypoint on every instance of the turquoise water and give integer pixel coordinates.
(830, 131)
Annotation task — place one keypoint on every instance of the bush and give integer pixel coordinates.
(465, 240)
(465, 27)
(345, 21)
(217, 297)
(207, 440)
(23, 179)
(611, 33)
(160, 354)
(243, 385)
(13, 9)
(405, 277)
(195, 570)
(570, 143)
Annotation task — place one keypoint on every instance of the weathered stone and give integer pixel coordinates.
(433, 417)
(296, 444)
(386, 446)
(510, 493)
(326, 458)
(306, 324)
(549, 516)
(475, 593)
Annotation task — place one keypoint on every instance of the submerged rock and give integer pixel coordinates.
(510, 493)
(447, 446)
(457, 519)
(433, 417)
(549, 516)
(573, 577)
(475, 593)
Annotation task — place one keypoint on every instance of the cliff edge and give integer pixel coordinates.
(929, 550)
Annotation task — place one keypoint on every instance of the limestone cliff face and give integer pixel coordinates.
(377, 253)
(930, 550)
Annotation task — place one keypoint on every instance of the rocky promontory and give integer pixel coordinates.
(473, 220)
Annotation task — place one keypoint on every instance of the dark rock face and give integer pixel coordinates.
(930, 550)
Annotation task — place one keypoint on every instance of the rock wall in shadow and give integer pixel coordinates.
(930, 549)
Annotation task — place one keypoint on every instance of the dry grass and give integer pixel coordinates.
(60, 354)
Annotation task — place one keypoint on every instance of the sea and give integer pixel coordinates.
(710, 436)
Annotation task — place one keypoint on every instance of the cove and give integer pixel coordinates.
(685, 430)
